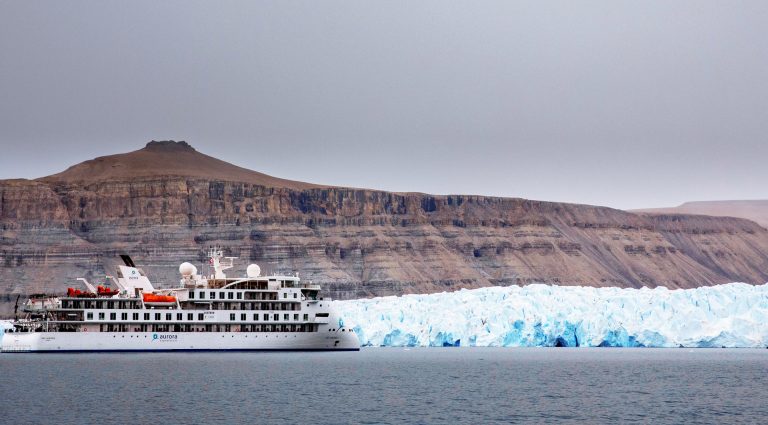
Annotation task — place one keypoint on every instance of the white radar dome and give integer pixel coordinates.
(253, 270)
(187, 269)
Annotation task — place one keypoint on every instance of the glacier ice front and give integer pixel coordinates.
(731, 315)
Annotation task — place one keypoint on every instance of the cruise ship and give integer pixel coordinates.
(203, 312)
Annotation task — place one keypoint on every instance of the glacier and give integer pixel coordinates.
(729, 315)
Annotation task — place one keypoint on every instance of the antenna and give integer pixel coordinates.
(275, 260)
(16, 309)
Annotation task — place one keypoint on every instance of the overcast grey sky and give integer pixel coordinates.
(620, 103)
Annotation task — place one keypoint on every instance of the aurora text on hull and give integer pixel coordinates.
(212, 312)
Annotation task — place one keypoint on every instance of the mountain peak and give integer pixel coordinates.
(168, 145)
(164, 159)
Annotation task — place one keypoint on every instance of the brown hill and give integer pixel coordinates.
(167, 203)
(755, 210)
(165, 159)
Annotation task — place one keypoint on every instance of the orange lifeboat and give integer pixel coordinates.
(76, 293)
(158, 299)
(104, 291)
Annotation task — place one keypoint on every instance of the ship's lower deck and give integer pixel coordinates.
(177, 341)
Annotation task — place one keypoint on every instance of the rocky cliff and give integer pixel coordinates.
(167, 203)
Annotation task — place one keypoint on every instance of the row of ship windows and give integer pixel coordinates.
(117, 327)
(200, 316)
(225, 305)
(278, 305)
(231, 295)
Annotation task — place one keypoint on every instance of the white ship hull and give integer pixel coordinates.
(177, 341)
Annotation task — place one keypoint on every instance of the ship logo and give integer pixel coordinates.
(164, 337)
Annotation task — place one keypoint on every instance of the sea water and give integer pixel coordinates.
(389, 385)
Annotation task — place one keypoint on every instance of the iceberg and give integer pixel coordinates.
(5, 325)
(729, 315)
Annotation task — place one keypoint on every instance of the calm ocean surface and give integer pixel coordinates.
(389, 385)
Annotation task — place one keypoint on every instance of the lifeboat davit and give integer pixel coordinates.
(158, 299)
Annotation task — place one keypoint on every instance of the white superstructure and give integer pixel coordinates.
(211, 312)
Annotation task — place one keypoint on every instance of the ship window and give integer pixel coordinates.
(135, 316)
(89, 316)
(231, 295)
(286, 317)
(146, 316)
(158, 316)
(239, 295)
(112, 316)
(168, 316)
(243, 317)
(221, 295)
(124, 316)
(232, 316)
(285, 295)
(101, 316)
(212, 295)
(256, 316)
(178, 316)
(295, 317)
(191, 295)
(200, 316)
(277, 317)
(295, 295)
(306, 317)
(190, 316)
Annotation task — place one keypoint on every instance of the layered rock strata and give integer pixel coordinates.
(355, 242)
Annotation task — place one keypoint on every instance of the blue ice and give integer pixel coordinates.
(731, 315)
